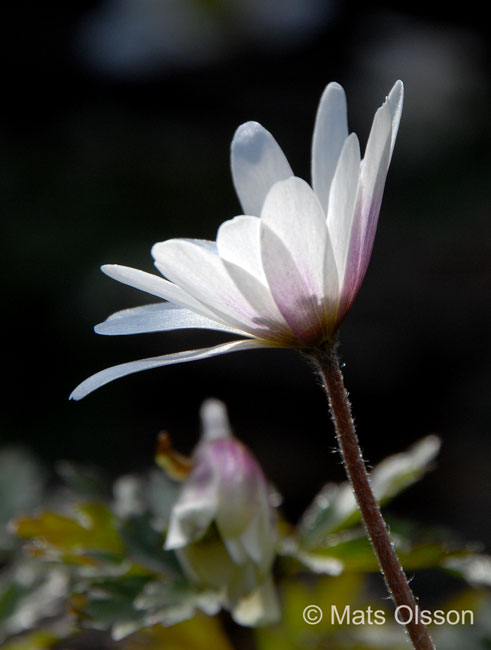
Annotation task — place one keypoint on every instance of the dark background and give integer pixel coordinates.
(117, 119)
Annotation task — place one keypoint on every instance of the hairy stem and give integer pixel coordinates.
(326, 360)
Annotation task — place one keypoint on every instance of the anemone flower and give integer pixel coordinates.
(286, 272)
(223, 526)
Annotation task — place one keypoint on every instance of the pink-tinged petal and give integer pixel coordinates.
(238, 244)
(269, 322)
(330, 132)
(298, 260)
(156, 286)
(376, 165)
(240, 481)
(160, 317)
(372, 178)
(199, 270)
(374, 169)
(110, 374)
(342, 202)
(300, 309)
(257, 164)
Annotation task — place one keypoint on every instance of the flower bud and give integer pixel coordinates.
(223, 526)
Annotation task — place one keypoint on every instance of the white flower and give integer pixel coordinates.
(223, 526)
(286, 272)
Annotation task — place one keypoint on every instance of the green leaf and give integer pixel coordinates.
(169, 602)
(334, 509)
(396, 473)
(352, 551)
(39, 640)
(129, 603)
(108, 602)
(72, 540)
(144, 545)
(10, 596)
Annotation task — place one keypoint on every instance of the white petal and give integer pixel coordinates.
(342, 201)
(373, 174)
(195, 507)
(259, 538)
(292, 211)
(203, 274)
(257, 163)
(156, 286)
(110, 374)
(395, 100)
(238, 242)
(189, 521)
(159, 317)
(297, 258)
(330, 132)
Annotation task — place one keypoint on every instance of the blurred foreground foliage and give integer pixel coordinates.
(83, 566)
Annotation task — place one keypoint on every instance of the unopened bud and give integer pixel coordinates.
(223, 526)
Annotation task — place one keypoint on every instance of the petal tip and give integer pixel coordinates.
(157, 248)
(76, 395)
(245, 133)
(334, 86)
(113, 271)
(333, 92)
(250, 143)
(396, 94)
(214, 419)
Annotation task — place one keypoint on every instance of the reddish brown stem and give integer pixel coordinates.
(332, 378)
